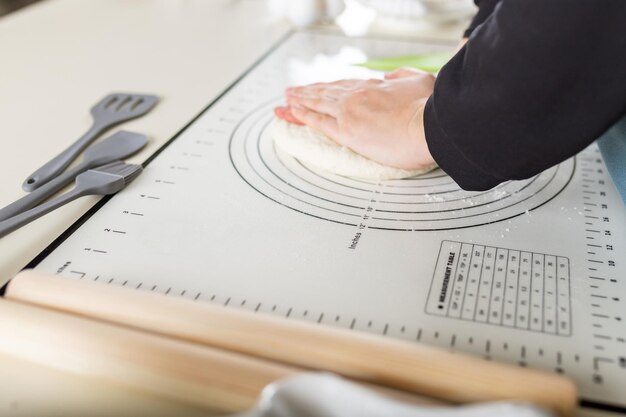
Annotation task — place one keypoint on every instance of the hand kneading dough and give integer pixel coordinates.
(316, 149)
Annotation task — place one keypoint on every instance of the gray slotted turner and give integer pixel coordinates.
(107, 179)
(108, 112)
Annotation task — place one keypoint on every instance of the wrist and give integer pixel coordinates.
(417, 134)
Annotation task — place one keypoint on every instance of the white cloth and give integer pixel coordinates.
(326, 395)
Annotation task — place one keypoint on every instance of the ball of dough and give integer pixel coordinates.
(318, 150)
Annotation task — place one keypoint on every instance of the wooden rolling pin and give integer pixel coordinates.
(202, 376)
(402, 365)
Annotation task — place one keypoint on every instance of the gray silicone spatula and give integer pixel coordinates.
(108, 112)
(103, 180)
(118, 146)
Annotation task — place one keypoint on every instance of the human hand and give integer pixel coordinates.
(285, 112)
(379, 119)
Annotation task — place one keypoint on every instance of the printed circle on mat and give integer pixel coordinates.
(427, 202)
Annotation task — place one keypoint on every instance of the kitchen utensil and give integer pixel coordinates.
(118, 146)
(108, 112)
(401, 365)
(107, 179)
(374, 360)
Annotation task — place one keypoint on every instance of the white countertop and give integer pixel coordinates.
(59, 57)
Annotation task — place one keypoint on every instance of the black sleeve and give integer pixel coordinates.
(485, 8)
(537, 82)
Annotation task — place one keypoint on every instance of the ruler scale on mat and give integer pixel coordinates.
(527, 273)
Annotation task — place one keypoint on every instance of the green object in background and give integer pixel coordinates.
(426, 62)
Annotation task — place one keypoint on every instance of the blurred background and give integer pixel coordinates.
(8, 6)
(355, 17)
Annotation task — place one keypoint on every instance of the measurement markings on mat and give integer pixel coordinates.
(504, 287)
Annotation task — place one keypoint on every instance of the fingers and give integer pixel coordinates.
(302, 116)
(403, 73)
(325, 105)
(325, 92)
(318, 121)
(339, 83)
(284, 113)
(324, 89)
